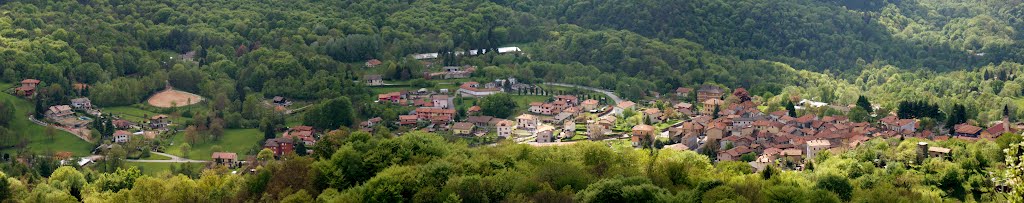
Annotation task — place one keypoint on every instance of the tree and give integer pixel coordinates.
(191, 134)
(790, 108)
(300, 147)
(1015, 171)
(863, 103)
(958, 116)
(858, 114)
(7, 113)
(265, 155)
(5, 188)
(741, 94)
(330, 114)
(185, 149)
(499, 105)
(836, 184)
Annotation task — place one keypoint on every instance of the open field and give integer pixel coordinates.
(239, 141)
(136, 114)
(37, 140)
(150, 168)
(173, 98)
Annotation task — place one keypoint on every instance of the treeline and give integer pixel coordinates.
(812, 34)
(422, 167)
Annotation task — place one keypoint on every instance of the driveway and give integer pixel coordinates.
(174, 159)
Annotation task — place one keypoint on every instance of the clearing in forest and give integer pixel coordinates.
(171, 98)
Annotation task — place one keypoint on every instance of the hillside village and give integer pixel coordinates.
(707, 119)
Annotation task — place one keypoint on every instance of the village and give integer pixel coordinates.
(707, 119)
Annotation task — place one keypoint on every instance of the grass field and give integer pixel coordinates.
(38, 141)
(239, 141)
(136, 114)
(156, 168)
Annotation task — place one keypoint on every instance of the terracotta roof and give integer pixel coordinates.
(590, 102)
(626, 104)
(462, 126)
(643, 127)
(225, 155)
(967, 129)
(29, 81)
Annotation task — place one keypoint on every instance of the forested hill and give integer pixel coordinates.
(814, 34)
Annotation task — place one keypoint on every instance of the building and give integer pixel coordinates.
(815, 146)
(505, 128)
(27, 88)
(81, 103)
(229, 159)
(589, 105)
(280, 146)
(710, 105)
(527, 122)
(475, 89)
(373, 80)
(121, 136)
(159, 121)
(707, 92)
(441, 101)
(462, 128)
(967, 130)
(642, 134)
(435, 114)
(123, 124)
(683, 92)
(58, 112)
(373, 63)
(281, 101)
(654, 114)
(623, 106)
(895, 124)
(545, 133)
(407, 119)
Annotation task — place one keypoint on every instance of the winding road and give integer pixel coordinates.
(605, 92)
(174, 159)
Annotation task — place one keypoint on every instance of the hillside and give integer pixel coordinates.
(327, 101)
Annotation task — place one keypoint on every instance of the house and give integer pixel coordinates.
(683, 92)
(441, 101)
(589, 105)
(997, 130)
(373, 80)
(601, 127)
(895, 124)
(967, 130)
(536, 107)
(654, 114)
(59, 112)
(642, 134)
(710, 105)
(623, 106)
(568, 99)
(527, 122)
(407, 119)
(369, 123)
(159, 121)
(462, 128)
(229, 159)
(473, 110)
(81, 103)
(684, 108)
(122, 124)
(733, 154)
(707, 92)
(545, 133)
(373, 63)
(391, 97)
(303, 133)
(475, 89)
(122, 136)
(435, 114)
(505, 128)
(27, 88)
(815, 146)
(280, 146)
(281, 101)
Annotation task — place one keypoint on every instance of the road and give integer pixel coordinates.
(605, 92)
(174, 159)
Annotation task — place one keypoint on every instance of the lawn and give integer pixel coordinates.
(136, 114)
(153, 169)
(38, 141)
(239, 141)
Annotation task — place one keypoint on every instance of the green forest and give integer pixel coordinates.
(960, 56)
